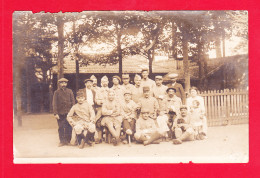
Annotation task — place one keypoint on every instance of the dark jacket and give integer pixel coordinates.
(63, 100)
(179, 91)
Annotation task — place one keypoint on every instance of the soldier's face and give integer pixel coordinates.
(115, 81)
(146, 94)
(183, 112)
(88, 84)
(145, 115)
(158, 82)
(127, 97)
(80, 99)
(111, 96)
(145, 74)
(173, 79)
(94, 82)
(138, 82)
(193, 93)
(171, 93)
(104, 83)
(125, 81)
(63, 84)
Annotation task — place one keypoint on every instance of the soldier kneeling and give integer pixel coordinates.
(82, 119)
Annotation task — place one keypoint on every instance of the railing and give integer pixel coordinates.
(226, 107)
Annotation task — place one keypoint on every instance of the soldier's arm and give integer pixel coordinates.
(54, 103)
(105, 111)
(70, 115)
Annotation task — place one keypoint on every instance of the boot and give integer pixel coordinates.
(89, 138)
(154, 136)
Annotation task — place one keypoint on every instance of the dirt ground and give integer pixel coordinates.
(36, 142)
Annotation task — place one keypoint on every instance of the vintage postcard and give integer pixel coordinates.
(130, 87)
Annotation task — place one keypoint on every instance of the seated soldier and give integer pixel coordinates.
(112, 117)
(82, 119)
(129, 108)
(146, 130)
(182, 127)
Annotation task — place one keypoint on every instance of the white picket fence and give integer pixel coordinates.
(226, 107)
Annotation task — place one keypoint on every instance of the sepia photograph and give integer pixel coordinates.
(130, 87)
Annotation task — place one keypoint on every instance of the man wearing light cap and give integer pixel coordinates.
(148, 102)
(179, 89)
(145, 80)
(126, 85)
(101, 97)
(63, 100)
(118, 89)
(159, 90)
(89, 93)
(94, 86)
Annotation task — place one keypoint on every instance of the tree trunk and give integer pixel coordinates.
(174, 40)
(60, 27)
(186, 63)
(224, 43)
(18, 94)
(218, 48)
(119, 51)
(28, 86)
(150, 59)
(76, 59)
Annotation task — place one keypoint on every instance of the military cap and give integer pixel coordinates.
(88, 80)
(93, 77)
(137, 77)
(125, 76)
(127, 92)
(146, 88)
(117, 77)
(104, 78)
(63, 80)
(171, 88)
(158, 77)
(183, 107)
(144, 69)
(173, 75)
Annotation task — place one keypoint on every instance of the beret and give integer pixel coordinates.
(144, 69)
(137, 77)
(170, 88)
(145, 110)
(63, 80)
(93, 77)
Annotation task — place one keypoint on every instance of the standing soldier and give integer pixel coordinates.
(101, 97)
(94, 86)
(63, 100)
(126, 85)
(159, 89)
(118, 89)
(145, 80)
(89, 92)
(149, 103)
(137, 92)
(178, 87)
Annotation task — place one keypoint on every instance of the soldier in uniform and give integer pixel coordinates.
(118, 89)
(159, 89)
(178, 87)
(137, 92)
(63, 100)
(89, 92)
(82, 118)
(145, 81)
(126, 85)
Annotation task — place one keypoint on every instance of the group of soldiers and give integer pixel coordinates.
(146, 112)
